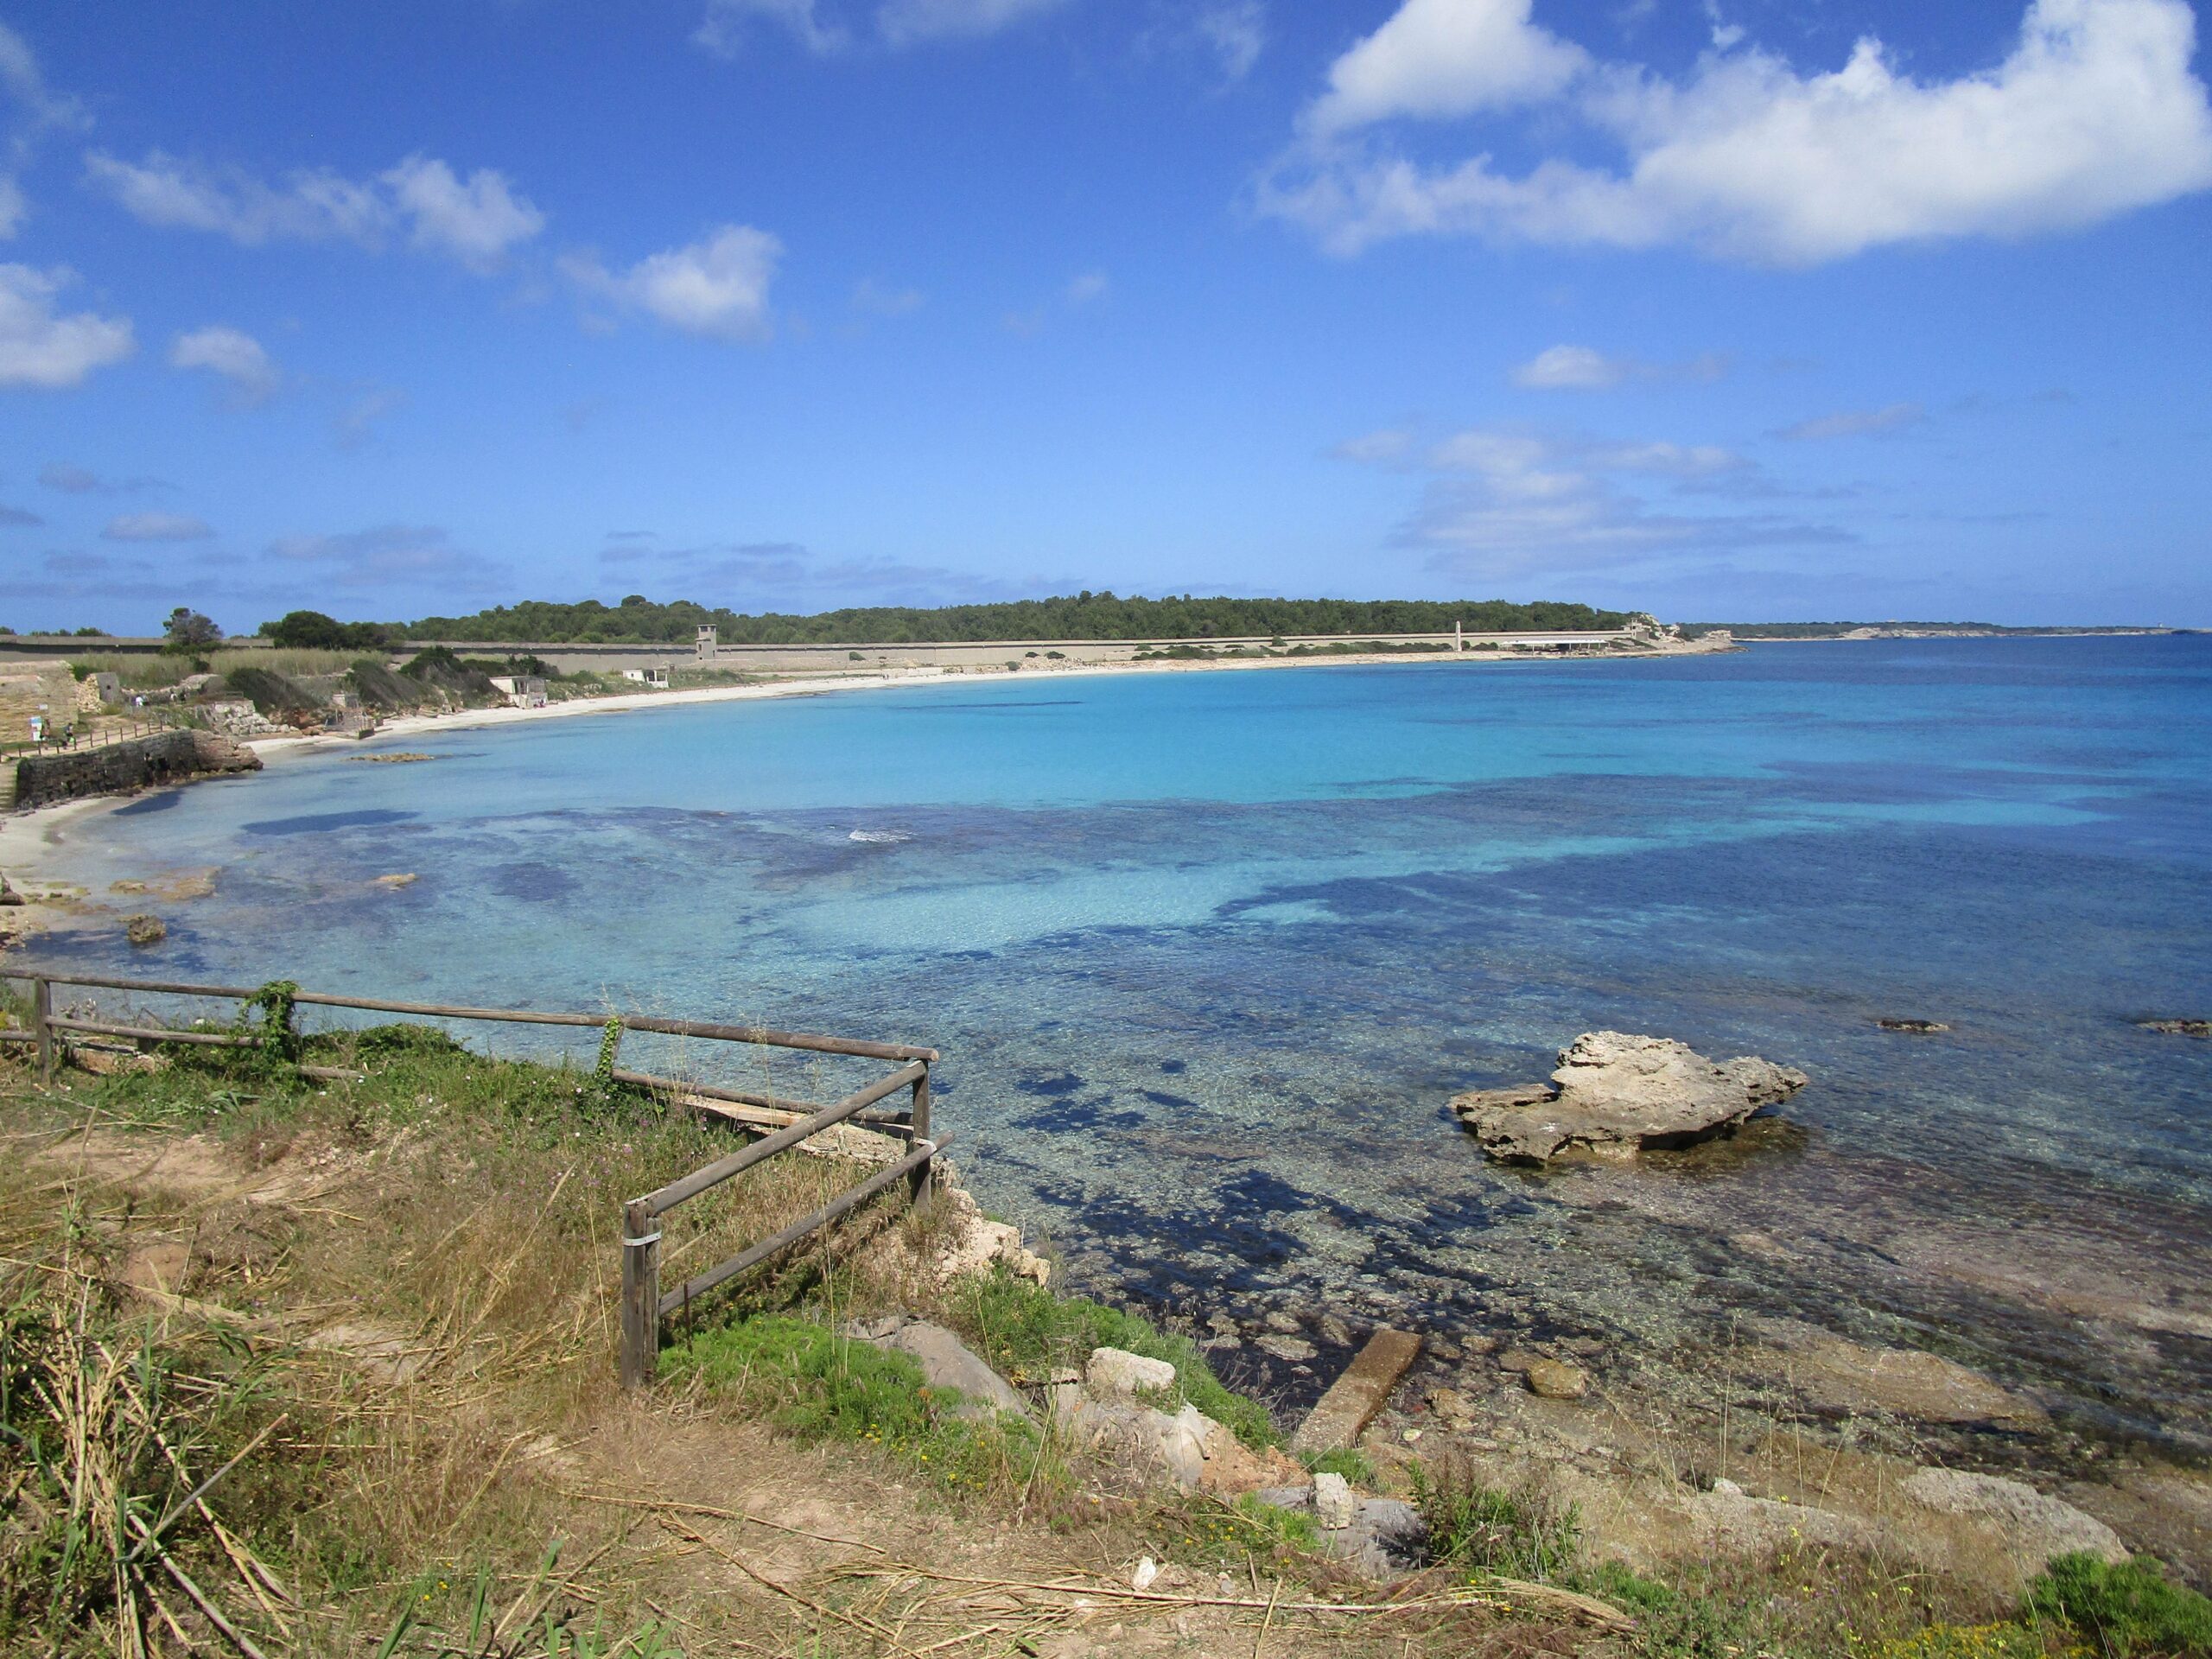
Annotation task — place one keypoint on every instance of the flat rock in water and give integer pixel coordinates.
(1915, 1027)
(2038, 1525)
(1615, 1095)
(1830, 1374)
(2178, 1028)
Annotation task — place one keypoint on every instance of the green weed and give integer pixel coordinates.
(1354, 1464)
(2120, 1610)
(818, 1385)
(1026, 1333)
(1524, 1534)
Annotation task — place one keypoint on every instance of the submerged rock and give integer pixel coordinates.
(1554, 1379)
(1615, 1095)
(145, 929)
(1916, 1027)
(2178, 1028)
(1832, 1375)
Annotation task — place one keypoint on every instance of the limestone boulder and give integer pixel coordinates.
(2034, 1524)
(1614, 1095)
(946, 1363)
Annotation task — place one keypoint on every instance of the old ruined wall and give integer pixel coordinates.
(125, 768)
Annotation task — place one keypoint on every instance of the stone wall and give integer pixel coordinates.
(126, 768)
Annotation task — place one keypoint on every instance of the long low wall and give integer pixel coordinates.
(127, 767)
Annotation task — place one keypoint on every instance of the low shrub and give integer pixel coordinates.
(2132, 1608)
(1024, 1332)
(1206, 1531)
(1354, 1464)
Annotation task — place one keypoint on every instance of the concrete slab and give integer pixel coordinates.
(1354, 1398)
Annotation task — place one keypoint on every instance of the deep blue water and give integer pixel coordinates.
(1207, 952)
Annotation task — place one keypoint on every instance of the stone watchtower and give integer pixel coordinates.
(707, 646)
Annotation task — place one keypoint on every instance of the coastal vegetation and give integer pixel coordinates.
(327, 1357)
(1081, 616)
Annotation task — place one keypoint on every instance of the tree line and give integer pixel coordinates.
(1086, 615)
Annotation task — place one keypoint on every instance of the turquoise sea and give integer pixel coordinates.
(1207, 952)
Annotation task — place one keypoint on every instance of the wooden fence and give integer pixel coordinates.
(643, 1307)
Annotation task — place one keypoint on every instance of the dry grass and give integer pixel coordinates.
(395, 1299)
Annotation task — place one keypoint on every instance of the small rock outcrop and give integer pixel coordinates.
(2038, 1525)
(946, 1363)
(2178, 1028)
(1554, 1379)
(1615, 1095)
(1914, 1027)
(145, 929)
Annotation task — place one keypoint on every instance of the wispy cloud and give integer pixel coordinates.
(355, 423)
(908, 22)
(2094, 112)
(476, 222)
(42, 347)
(34, 110)
(1504, 501)
(72, 480)
(1855, 423)
(727, 25)
(716, 288)
(19, 517)
(235, 355)
(724, 29)
(157, 527)
(386, 555)
(885, 300)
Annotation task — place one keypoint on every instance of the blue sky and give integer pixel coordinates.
(1741, 308)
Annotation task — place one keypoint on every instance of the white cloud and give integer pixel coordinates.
(232, 353)
(41, 109)
(1446, 58)
(1089, 286)
(1236, 30)
(905, 22)
(1856, 423)
(716, 287)
(157, 527)
(475, 222)
(1503, 501)
(1581, 368)
(2094, 112)
(1570, 368)
(723, 29)
(40, 348)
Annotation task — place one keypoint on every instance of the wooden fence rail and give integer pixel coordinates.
(788, 1122)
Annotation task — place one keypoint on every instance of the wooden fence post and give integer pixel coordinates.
(640, 1293)
(42, 1023)
(919, 1199)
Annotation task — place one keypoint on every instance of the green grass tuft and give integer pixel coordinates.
(1024, 1332)
(2127, 1609)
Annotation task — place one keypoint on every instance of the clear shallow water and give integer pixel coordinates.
(1207, 952)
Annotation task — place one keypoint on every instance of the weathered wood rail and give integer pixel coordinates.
(786, 1123)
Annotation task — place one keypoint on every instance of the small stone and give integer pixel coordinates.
(1410, 1436)
(1116, 1370)
(1148, 1570)
(145, 929)
(403, 880)
(1726, 1488)
(1452, 1408)
(1554, 1379)
(1283, 1322)
(1334, 1506)
(1287, 1348)
(1517, 1360)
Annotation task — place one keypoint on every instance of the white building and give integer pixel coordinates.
(522, 691)
(657, 679)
